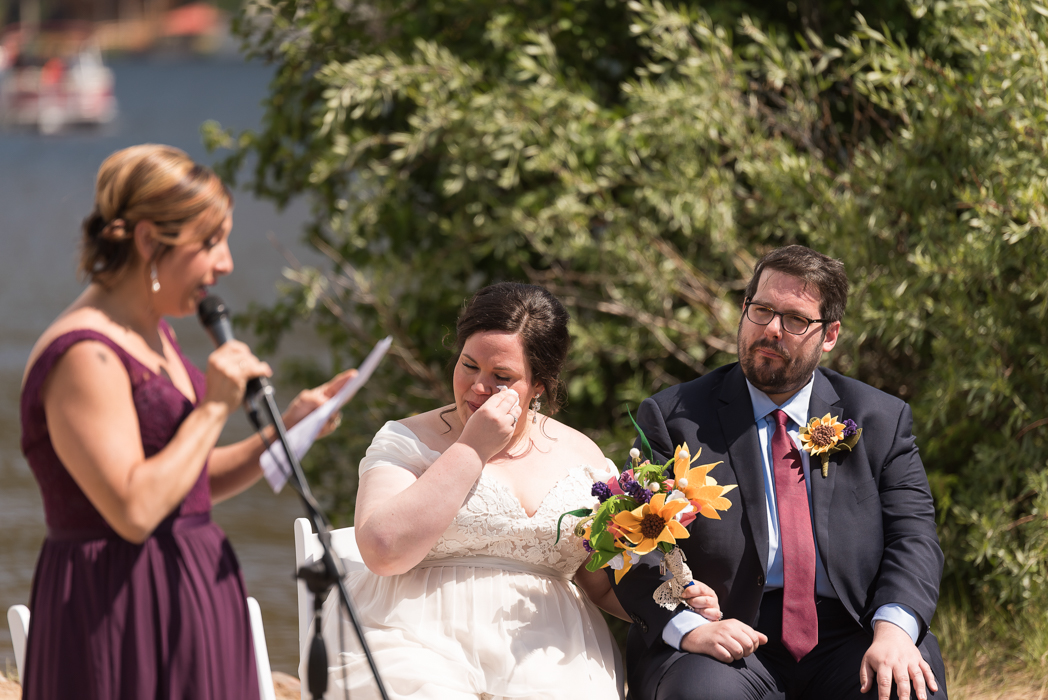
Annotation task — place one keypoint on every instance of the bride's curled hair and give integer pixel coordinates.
(536, 316)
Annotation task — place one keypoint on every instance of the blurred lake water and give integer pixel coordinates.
(46, 189)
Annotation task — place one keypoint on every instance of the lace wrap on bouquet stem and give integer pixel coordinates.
(668, 594)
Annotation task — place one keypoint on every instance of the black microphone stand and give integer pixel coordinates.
(321, 575)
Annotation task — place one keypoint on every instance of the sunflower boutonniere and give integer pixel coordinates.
(825, 436)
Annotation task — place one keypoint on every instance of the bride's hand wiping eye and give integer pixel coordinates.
(491, 427)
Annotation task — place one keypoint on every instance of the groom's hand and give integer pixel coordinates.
(727, 640)
(894, 656)
(703, 600)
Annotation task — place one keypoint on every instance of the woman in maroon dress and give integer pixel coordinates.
(137, 594)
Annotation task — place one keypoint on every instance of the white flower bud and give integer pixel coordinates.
(682, 483)
(634, 454)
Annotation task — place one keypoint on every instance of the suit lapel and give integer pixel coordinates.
(740, 435)
(823, 401)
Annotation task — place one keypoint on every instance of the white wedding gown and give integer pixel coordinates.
(490, 612)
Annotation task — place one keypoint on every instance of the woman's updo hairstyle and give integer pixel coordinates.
(153, 183)
(536, 316)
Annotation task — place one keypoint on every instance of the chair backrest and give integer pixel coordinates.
(307, 551)
(18, 621)
(266, 690)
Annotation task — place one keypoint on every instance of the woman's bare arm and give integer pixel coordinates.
(399, 517)
(94, 428)
(597, 587)
(595, 584)
(234, 468)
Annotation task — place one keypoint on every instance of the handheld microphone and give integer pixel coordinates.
(214, 316)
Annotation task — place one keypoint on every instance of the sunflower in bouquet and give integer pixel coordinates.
(642, 513)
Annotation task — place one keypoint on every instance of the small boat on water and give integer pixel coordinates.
(50, 85)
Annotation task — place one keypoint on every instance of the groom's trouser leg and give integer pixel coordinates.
(831, 669)
(700, 677)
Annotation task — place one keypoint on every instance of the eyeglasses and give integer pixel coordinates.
(791, 323)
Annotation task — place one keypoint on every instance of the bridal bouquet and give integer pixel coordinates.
(642, 513)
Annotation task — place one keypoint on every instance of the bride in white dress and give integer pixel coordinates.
(467, 593)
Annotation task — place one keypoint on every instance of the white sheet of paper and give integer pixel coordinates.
(301, 437)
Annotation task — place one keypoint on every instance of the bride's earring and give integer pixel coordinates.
(153, 278)
(535, 406)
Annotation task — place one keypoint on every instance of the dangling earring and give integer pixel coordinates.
(152, 276)
(535, 406)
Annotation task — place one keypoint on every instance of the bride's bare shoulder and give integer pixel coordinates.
(569, 441)
(435, 428)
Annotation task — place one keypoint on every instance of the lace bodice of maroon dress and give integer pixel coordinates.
(161, 409)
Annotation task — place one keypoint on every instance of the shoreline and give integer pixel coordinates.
(286, 686)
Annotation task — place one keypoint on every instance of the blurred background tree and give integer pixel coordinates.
(636, 160)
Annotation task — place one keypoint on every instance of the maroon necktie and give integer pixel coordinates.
(800, 622)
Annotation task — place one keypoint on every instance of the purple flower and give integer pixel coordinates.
(586, 545)
(637, 492)
(634, 490)
(601, 490)
(850, 428)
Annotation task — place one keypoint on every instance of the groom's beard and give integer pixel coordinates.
(794, 372)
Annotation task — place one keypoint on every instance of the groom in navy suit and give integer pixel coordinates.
(827, 580)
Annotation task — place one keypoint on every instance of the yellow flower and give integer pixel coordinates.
(682, 460)
(627, 564)
(821, 434)
(709, 499)
(645, 527)
(698, 486)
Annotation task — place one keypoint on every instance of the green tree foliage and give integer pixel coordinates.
(950, 264)
(636, 159)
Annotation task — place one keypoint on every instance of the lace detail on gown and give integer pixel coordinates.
(490, 611)
(492, 522)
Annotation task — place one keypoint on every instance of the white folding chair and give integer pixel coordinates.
(18, 621)
(307, 551)
(266, 691)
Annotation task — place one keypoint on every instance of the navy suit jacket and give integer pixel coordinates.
(873, 514)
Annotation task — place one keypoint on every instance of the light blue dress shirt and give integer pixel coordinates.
(796, 408)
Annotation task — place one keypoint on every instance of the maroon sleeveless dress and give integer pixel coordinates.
(111, 619)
